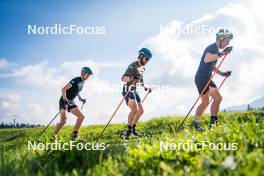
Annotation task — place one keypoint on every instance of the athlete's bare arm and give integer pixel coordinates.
(216, 70)
(64, 89)
(210, 57)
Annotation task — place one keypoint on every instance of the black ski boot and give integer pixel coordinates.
(197, 126)
(75, 137)
(125, 135)
(134, 133)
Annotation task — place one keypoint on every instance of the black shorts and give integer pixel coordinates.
(201, 81)
(132, 95)
(62, 105)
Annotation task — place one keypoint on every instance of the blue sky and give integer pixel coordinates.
(129, 26)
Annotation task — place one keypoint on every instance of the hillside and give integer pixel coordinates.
(256, 104)
(144, 156)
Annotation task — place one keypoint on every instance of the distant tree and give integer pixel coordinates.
(249, 108)
(18, 125)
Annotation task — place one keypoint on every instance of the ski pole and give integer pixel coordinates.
(47, 126)
(82, 105)
(145, 97)
(114, 113)
(212, 98)
(50, 123)
(200, 94)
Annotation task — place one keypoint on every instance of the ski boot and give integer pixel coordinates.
(197, 126)
(125, 135)
(134, 132)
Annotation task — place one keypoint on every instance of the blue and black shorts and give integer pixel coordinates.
(62, 105)
(131, 95)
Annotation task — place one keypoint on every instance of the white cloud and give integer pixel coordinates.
(4, 63)
(37, 100)
(180, 55)
(44, 75)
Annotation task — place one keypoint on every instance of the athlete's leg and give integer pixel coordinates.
(136, 118)
(62, 121)
(139, 113)
(200, 109)
(199, 112)
(217, 98)
(132, 104)
(80, 118)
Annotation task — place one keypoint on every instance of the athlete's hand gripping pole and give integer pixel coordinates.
(149, 91)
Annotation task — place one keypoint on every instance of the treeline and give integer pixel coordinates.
(19, 125)
(249, 108)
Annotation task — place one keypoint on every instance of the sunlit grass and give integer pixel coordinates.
(142, 156)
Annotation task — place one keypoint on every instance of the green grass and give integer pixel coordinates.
(143, 156)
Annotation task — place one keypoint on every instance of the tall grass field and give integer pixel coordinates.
(234, 147)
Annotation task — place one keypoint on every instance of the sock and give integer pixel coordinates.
(196, 118)
(130, 128)
(213, 120)
(216, 120)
